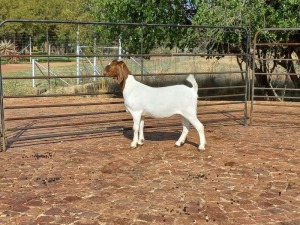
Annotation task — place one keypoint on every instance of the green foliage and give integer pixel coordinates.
(252, 15)
(146, 12)
(45, 10)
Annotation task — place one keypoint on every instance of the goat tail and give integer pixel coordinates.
(192, 80)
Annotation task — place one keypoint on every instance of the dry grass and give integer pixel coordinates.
(155, 65)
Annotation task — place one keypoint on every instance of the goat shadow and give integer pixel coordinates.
(159, 136)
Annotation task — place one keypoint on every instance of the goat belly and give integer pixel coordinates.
(158, 114)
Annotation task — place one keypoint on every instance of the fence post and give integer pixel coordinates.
(247, 55)
(142, 51)
(77, 58)
(33, 72)
(95, 58)
(120, 47)
(3, 143)
(30, 48)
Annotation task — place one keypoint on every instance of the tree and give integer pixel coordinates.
(146, 12)
(254, 15)
(43, 10)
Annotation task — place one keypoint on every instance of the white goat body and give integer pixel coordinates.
(142, 100)
(158, 102)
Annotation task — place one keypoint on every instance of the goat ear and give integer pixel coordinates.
(120, 77)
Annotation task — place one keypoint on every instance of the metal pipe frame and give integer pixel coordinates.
(2, 132)
(254, 73)
(7, 141)
(137, 75)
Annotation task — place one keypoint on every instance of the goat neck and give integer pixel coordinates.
(123, 73)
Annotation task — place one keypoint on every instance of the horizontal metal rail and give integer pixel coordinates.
(124, 55)
(47, 77)
(220, 111)
(75, 22)
(69, 124)
(217, 88)
(274, 59)
(137, 75)
(62, 115)
(221, 96)
(100, 103)
(63, 134)
(276, 97)
(278, 89)
(201, 104)
(277, 74)
(60, 95)
(61, 105)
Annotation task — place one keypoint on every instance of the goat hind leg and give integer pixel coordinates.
(185, 130)
(200, 128)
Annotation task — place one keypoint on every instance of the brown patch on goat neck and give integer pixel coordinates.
(117, 70)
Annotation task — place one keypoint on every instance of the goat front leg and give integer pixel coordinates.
(141, 133)
(136, 127)
(185, 130)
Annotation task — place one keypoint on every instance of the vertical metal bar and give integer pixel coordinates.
(3, 142)
(252, 80)
(247, 78)
(77, 53)
(120, 47)
(33, 72)
(30, 48)
(48, 59)
(95, 58)
(142, 52)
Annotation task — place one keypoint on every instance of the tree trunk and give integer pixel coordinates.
(289, 66)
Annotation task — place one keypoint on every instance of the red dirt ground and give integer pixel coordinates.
(246, 175)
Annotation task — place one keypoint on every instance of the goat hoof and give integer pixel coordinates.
(201, 148)
(133, 146)
(178, 144)
(141, 142)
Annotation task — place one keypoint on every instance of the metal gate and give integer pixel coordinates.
(45, 102)
(276, 83)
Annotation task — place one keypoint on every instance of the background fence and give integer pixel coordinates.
(276, 87)
(59, 93)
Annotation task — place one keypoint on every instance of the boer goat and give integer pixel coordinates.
(141, 100)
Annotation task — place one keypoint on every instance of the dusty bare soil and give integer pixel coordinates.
(246, 175)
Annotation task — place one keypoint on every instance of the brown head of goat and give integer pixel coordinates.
(118, 71)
